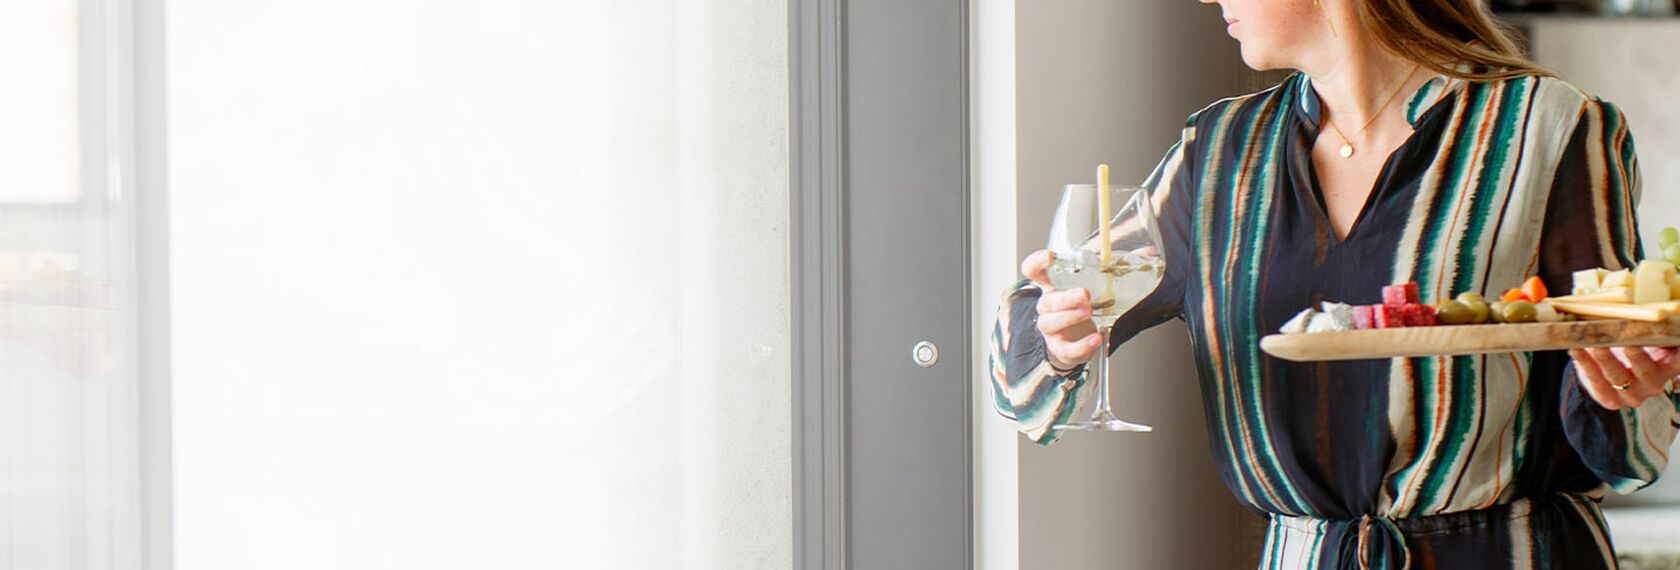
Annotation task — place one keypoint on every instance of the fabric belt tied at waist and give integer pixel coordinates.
(1369, 546)
(1380, 542)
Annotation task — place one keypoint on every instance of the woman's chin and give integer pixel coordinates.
(1257, 59)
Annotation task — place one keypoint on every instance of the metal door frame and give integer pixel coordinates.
(817, 43)
(816, 111)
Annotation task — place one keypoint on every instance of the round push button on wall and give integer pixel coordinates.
(925, 353)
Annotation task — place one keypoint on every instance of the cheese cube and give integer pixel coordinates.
(1650, 281)
(1586, 281)
(1617, 278)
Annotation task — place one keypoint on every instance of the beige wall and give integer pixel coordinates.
(1105, 81)
(1633, 64)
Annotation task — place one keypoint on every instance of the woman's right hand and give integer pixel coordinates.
(1064, 317)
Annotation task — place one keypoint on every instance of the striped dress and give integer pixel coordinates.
(1490, 461)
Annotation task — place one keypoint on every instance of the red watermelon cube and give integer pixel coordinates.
(1400, 295)
(1362, 317)
(1387, 317)
(1418, 315)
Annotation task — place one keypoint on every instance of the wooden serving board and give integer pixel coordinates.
(1469, 339)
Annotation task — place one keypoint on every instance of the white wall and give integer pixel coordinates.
(493, 284)
(992, 132)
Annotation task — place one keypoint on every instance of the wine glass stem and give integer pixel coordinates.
(1100, 364)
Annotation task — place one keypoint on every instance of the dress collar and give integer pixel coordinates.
(1421, 100)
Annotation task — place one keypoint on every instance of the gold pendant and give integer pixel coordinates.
(1347, 150)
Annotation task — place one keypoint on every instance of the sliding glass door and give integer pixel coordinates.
(499, 284)
(70, 391)
(488, 284)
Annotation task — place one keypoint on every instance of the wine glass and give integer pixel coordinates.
(1118, 276)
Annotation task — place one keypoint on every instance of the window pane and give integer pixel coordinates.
(498, 284)
(69, 493)
(38, 107)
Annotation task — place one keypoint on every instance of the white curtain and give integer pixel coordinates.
(69, 492)
(487, 284)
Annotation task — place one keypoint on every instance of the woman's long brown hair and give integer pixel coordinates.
(1437, 34)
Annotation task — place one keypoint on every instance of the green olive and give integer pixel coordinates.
(1496, 311)
(1453, 313)
(1519, 312)
(1471, 298)
(1479, 313)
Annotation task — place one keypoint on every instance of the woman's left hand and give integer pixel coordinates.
(1625, 377)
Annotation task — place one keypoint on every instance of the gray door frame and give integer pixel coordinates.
(817, 212)
(837, 438)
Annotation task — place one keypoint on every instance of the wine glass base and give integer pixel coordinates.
(1104, 425)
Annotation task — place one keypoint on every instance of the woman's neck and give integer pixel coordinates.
(1355, 77)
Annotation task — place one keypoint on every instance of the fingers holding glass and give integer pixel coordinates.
(1034, 267)
(1104, 246)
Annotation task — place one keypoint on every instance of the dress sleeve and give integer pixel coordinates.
(1025, 388)
(1590, 222)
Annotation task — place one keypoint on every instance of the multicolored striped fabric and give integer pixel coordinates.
(1492, 461)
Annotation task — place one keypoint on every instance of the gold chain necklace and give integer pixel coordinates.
(1347, 142)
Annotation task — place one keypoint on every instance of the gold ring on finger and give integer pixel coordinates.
(1622, 387)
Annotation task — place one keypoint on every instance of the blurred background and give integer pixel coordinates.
(390, 284)
(512, 283)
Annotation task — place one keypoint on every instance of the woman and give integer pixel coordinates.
(1415, 144)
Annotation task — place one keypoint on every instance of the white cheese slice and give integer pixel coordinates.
(1299, 323)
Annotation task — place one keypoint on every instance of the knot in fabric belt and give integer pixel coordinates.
(1383, 545)
(1379, 542)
